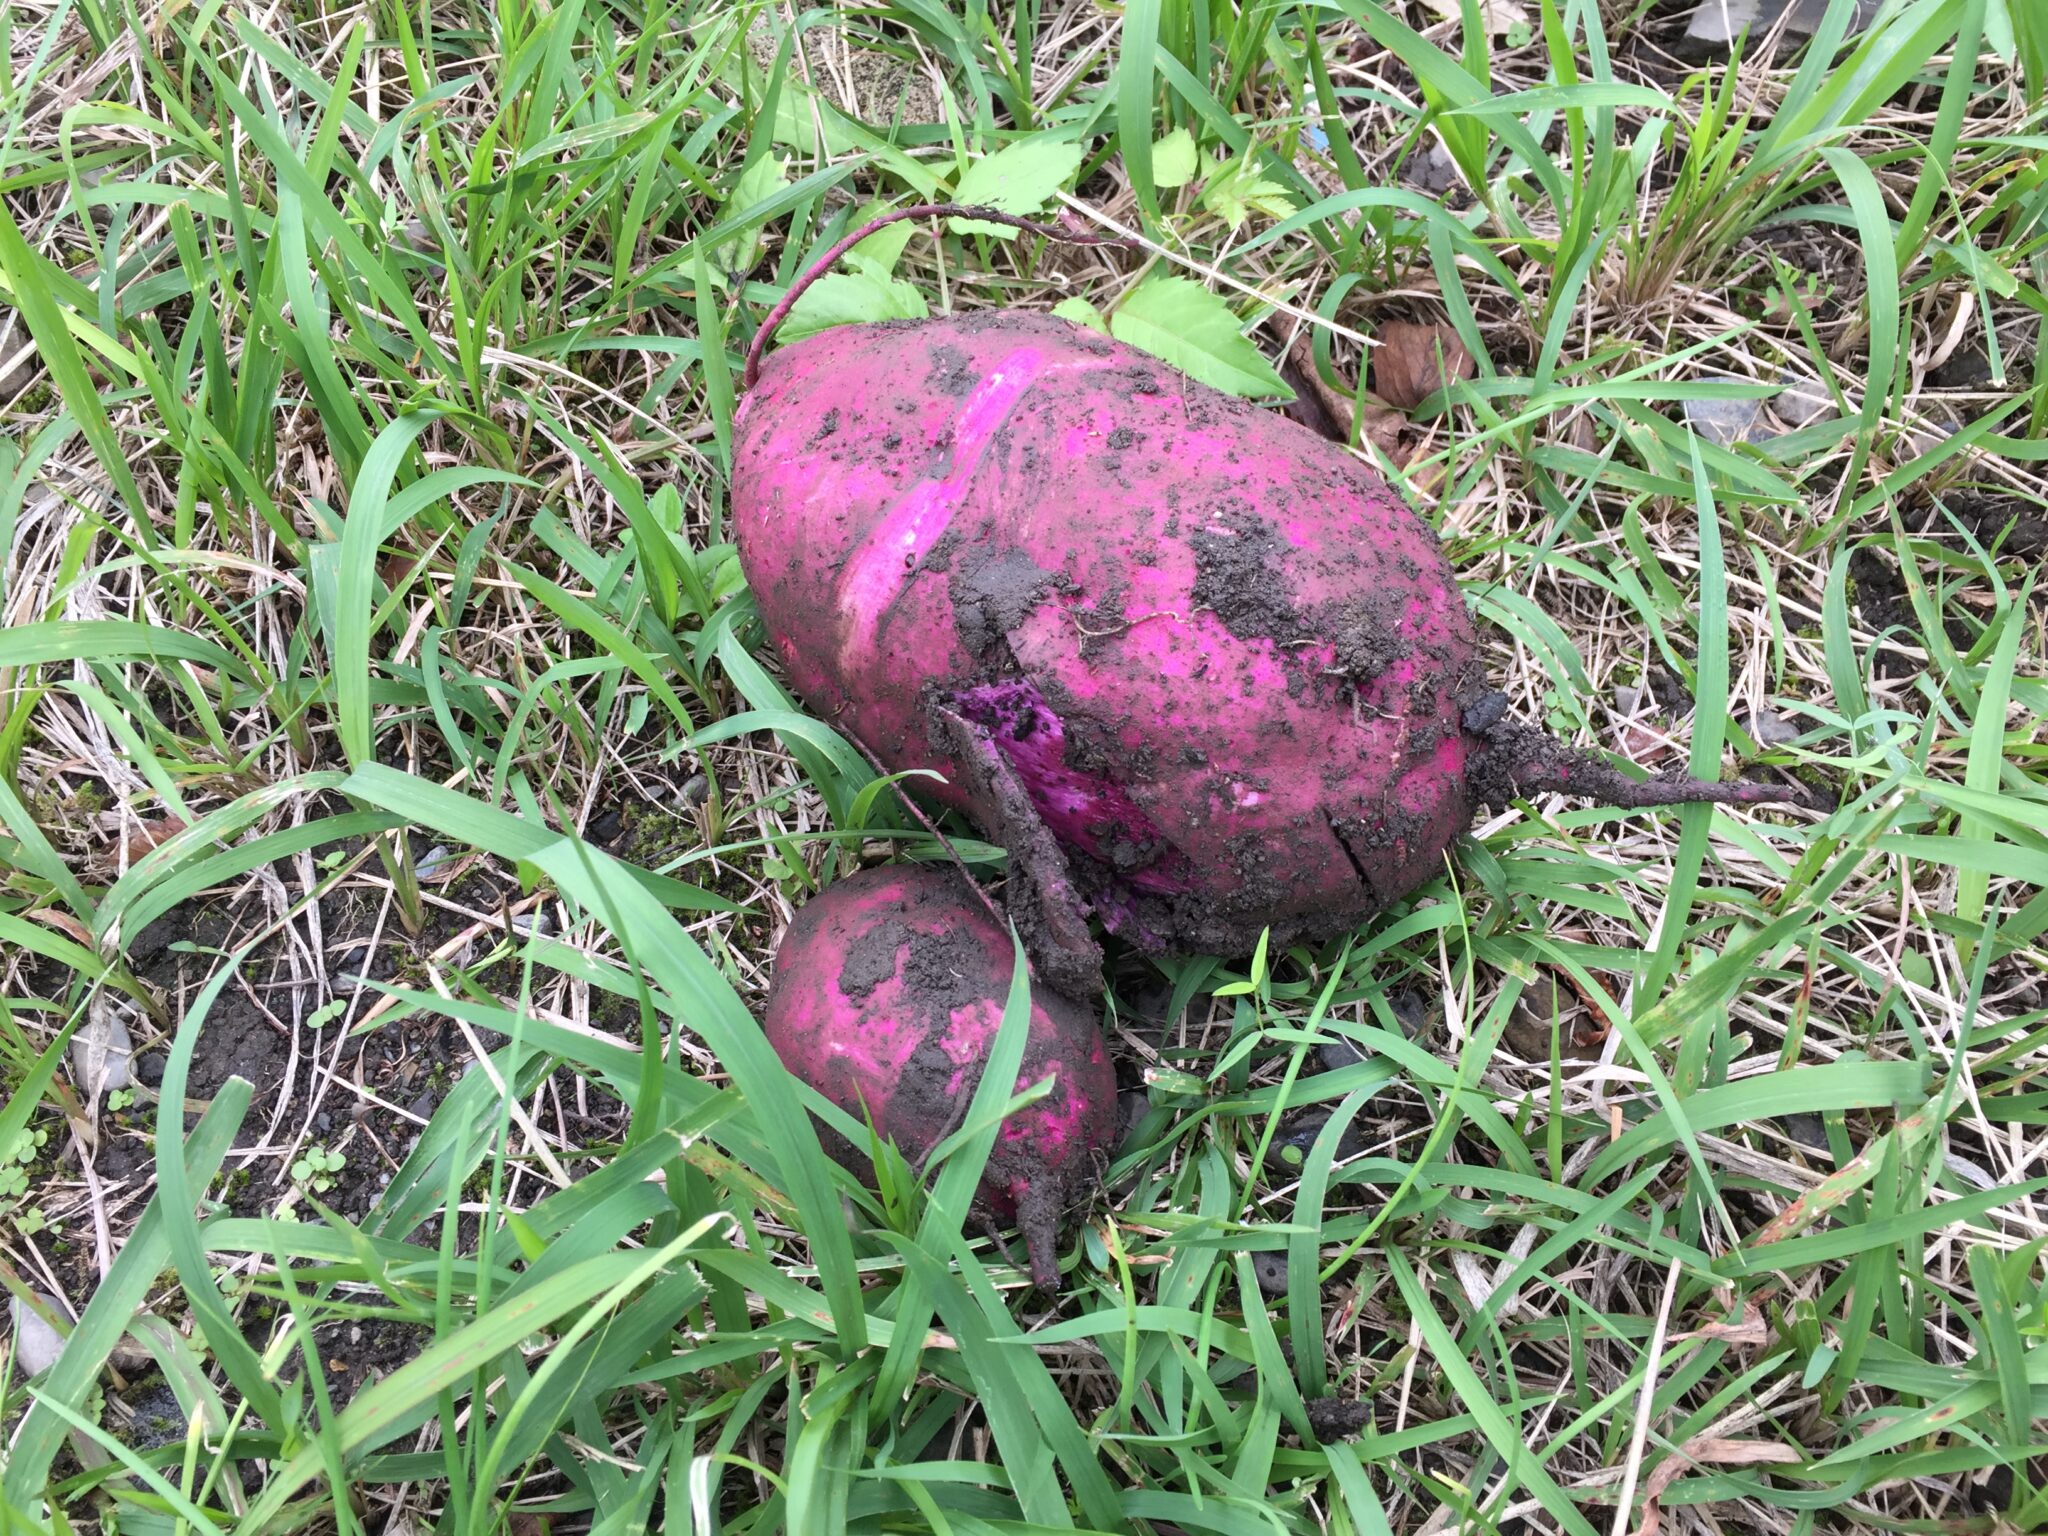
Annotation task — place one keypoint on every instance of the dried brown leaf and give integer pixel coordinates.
(146, 835)
(1748, 1327)
(1387, 430)
(1707, 1451)
(1413, 361)
(1642, 742)
(65, 924)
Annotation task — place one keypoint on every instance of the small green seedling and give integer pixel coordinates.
(314, 1172)
(23, 1150)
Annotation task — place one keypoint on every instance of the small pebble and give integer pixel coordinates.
(37, 1346)
(101, 1050)
(1924, 437)
(1806, 1128)
(1411, 1012)
(1725, 422)
(1292, 1142)
(539, 924)
(1716, 24)
(1333, 1055)
(695, 791)
(1271, 1269)
(1972, 1173)
(1805, 400)
(1770, 729)
(14, 339)
(435, 864)
(323, 1121)
(1131, 1107)
(1968, 367)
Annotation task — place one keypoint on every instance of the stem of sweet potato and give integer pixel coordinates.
(825, 263)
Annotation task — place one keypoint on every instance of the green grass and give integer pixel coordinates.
(363, 496)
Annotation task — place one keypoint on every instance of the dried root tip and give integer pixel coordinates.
(1525, 761)
(1038, 1218)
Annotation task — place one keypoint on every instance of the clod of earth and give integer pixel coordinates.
(887, 995)
(1201, 671)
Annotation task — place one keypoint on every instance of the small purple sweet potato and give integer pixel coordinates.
(887, 995)
(1200, 670)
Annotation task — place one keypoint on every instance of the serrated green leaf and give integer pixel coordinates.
(1173, 159)
(1018, 178)
(1183, 323)
(1233, 191)
(852, 298)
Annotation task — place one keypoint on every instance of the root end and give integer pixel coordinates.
(1038, 1219)
(1514, 759)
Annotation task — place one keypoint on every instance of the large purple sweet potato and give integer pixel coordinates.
(887, 995)
(1200, 669)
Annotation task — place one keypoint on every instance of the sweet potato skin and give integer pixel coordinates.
(1225, 661)
(888, 992)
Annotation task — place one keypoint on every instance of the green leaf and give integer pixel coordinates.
(1081, 312)
(390, 1404)
(1986, 760)
(852, 298)
(1180, 321)
(1173, 159)
(1018, 178)
(363, 530)
(758, 182)
(109, 640)
(878, 254)
(1233, 192)
(26, 278)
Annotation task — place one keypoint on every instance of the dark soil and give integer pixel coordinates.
(1239, 574)
(354, 1354)
(1336, 1418)
(871, 959)
(410, 1064)
(992, 595)
(248, 1033)
(2006, 524)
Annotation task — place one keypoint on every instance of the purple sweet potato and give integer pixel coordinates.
(1202, 671)
(887, 995)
